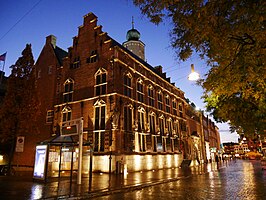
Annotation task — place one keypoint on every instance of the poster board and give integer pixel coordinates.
(40, 162)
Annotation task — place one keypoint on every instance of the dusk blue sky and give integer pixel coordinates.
(30, 21)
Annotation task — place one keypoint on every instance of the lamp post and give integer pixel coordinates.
(193, 76)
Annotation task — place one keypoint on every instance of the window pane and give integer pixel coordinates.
(97, 119)
(98, 79)
(103, 78)
(103, 118)
(102, 141)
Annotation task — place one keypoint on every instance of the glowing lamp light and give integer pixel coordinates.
(193, 76)
(68, 127)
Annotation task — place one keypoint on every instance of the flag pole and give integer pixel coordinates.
(3, 67)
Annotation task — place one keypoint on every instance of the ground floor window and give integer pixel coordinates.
(98, 139)
(142, 142)
(164, 144)
(172, 144)
(154, 143)
(128, 141)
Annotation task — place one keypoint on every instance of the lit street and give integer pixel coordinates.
(242, 179)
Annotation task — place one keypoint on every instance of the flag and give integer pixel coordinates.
(3, 57)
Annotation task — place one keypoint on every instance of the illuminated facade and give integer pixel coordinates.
(133, 115)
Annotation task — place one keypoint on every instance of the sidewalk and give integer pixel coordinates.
(100, 184)
(104, 184)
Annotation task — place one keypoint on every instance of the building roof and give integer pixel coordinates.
(115, 43)
(60, 54)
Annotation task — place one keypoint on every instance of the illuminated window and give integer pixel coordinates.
(140, 90)
(160, 100)
(180, 107)
(175, 128)
(68, 90)
(164, 143)
(100, 82)
(141, 119)
(167, 104)
(142, 142)
(151, 95)
(66, 114)
(127, 85)
(174, 107)
(99, 125)
(128, 114)
(128, 131)
(49, 116)
(93, 57)
(141, 129)
(154, 143)
(152, 123)
(169, 127)
(75, 64)
(160, 139)
(161, 125)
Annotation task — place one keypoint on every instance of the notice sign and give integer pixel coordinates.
(20, 144)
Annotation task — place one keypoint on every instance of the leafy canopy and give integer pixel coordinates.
(230, 36)
(20, 106)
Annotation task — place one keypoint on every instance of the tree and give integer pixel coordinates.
(231, 37)
(20, 107)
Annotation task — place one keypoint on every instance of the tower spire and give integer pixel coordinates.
(132, 22)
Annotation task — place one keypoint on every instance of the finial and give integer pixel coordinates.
(132, 22)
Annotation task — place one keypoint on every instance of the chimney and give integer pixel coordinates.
(159, 69)
(51, 39)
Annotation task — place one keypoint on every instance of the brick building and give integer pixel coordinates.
(132, 112)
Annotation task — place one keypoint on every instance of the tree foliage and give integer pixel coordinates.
(20, 107)
(230, 36)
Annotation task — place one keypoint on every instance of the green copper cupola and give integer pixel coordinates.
(133, 43)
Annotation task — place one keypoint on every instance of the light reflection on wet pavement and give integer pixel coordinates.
(240, 180)
(232, 180)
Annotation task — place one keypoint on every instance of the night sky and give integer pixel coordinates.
(30, 21)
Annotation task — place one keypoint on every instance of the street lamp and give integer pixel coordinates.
(193, 76)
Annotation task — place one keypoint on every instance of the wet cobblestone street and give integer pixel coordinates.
(240, 180)
(236, 180)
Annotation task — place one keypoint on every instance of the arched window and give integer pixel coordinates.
(174, 105)
(99, 125)
(66, 114)
(140, 90)
(127, 84)
(128, 130)
(128, 118)
(141, 119)
(151, 95)
(68, 90)
(152, 123)
(167, 103)
(160, 100)
(169, 127)
(141, 129)
(100, 82)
